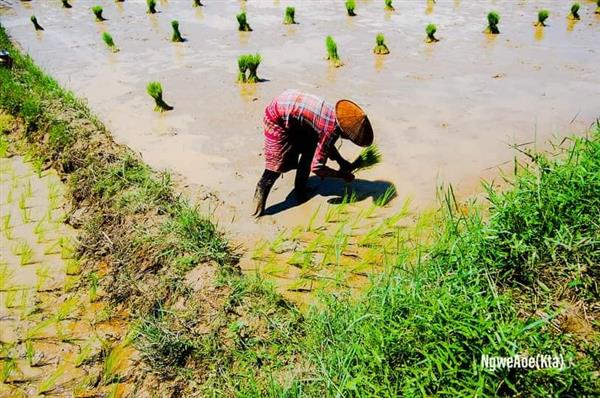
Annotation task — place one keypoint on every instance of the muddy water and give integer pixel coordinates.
(51, 337)
(441, 112)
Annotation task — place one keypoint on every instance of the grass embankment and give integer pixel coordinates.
(196, 320)
(518, 278)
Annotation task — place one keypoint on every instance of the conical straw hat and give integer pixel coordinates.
(354, 122)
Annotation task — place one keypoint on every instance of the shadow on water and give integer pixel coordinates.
(335, 189)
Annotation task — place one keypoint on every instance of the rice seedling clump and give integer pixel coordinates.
(243, 68)
(35, 23)
(97, 10)
(65, 4)
(368, 157)
(155, 90)
(108, 40)
(430, 30)
(380, 47)
(176, 34)
(350, 7)
(332, 51)
(252, 63)
(197, 3)
(289, 18)
(243, 25)
(389, 6)
(151, 4)
(597, 7)
(493, 21)
(575, 11)
(542, 17)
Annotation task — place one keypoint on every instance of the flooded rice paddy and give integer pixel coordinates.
(442, 112)
(53, 340)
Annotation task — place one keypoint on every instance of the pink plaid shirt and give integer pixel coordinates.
(306, 109)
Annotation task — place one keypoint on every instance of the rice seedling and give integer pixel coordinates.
(43, 274)
(311, 220)
(40, 231)
(65, 310)
(350, 7)
(253, 61)
(597, 7)
(3, 147)
(368, 157)
(35, 23)
(37, 330)
(65, 4)
(29, 352)
(493, 20)
(332, 51)
(6, 275)
(73, 267)
(542, 17)
(24, 251)
(97, 11)
(430, 30)
(6, 226)
(25, 215)
(9, 366)
(38, 166)
(85, 354)
(197, 3)
(176, 37)
(94, 281)
(385, 197)
(54, 248)
(155, 90)
(67, 248)
(380, 47)
(151, 6)
(574, 14)
(110, 43)
(388, 5)
(10, 298)
(49, 383)
(243, 25)
(242, 68)
(9, 196)
(289, 17)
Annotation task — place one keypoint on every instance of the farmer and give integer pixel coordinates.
(300, 133)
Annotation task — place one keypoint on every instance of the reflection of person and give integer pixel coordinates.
(300, 133)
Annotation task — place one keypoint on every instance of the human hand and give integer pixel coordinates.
(345, 166)
(347, 176)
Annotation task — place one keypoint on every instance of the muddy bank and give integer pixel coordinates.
(443, 112)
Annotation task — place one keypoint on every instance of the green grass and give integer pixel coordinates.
(542, 17)
(151, 6)
(430, 30)
(154, 90)
(350, 7)
(493, 20)
(243, 25)
(380, 46)
(176, 36)
(289, 17)
(388, 5)
(575, 11)
(97, 11)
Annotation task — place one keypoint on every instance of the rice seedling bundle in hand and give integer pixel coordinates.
(332, 51)
(575, 11)
(597, 7)
(369, 157)
(197, 3)
(35, 23)
(107, 38)
(493, 21)
(350, 7)
(253, 61)
(97, 10)
(65, 4)
(389, 6)
(430, 30)
(151, 4)
(542, 17)
(289, 18)
(176, 34)
(243, 25)
(380, 47)
(155, 90)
